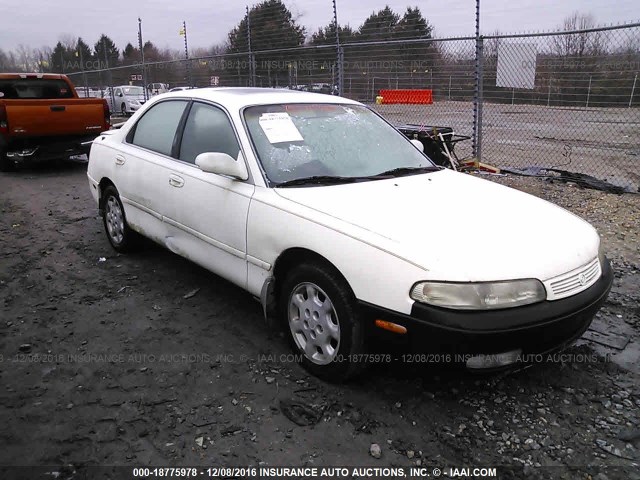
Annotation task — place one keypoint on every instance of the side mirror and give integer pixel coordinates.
(119, 94)
(418, 144)
(223, 164)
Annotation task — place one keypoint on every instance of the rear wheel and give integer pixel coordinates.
(320, 312)
(123, 110)
(120, 235)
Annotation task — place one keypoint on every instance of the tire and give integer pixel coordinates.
(321, 320)
(119, 234)
(123, 110)
(6, 165)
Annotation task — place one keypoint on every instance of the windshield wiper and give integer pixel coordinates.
(406, 171)
(319, 179)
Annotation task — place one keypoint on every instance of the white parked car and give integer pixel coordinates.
(342, 227)
(157, 88)
(126, 99)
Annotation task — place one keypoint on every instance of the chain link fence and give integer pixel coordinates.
(564, 100)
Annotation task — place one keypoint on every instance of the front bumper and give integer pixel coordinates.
(532, 329)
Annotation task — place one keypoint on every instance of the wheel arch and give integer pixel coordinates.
(102, 186)
(286, 261)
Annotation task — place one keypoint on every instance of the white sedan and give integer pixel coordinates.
(343, 228)
(126, 99)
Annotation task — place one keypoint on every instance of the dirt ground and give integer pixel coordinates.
(147, 359)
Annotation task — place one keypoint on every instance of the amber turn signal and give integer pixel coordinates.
(392, 327)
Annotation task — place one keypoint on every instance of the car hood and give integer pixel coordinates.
(456, 226)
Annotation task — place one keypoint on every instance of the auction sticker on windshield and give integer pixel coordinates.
(279, 128)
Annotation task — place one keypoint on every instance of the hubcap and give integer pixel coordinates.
(314, 323)
(114, 220)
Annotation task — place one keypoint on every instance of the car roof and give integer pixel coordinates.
(238, 97)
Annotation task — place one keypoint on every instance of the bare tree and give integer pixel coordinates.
(491, 46)
(581, 44)
(6, 65)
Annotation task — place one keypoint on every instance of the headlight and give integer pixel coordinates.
(479, 296)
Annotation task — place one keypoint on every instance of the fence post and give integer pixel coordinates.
(633, 89)
(339, 51)
(476, 147)
(589, 91)
(477, 101)
(252, 82)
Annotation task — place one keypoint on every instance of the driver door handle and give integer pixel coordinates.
(120, 160)
(176, 181)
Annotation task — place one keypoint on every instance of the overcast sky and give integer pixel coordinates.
(38, 23)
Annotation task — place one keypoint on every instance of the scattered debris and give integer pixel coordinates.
(232, 430)
(581, 179)
(102, 259)
(611, 450)
(608, 339)
(629, 435)
(200, 441)
(375, 451)
(299, 413)
(25, 347)
(192, 293)
(269, 380)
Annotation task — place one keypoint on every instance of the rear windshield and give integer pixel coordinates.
(38, 88)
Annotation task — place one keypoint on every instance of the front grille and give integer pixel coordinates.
(573, 282)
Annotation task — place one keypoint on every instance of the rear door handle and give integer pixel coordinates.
(120, 160)
(176, 181)
(57, 108)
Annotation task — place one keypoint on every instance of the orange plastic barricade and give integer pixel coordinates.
(406, 96)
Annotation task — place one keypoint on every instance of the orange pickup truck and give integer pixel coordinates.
(42, 118)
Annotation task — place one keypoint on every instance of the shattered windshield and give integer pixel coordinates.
(295, 141)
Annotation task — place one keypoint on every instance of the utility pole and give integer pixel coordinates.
(183, 32)
(84, 75)
(140, 45)
(110, 77)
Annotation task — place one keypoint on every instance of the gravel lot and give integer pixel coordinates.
(602, 142)
(148, 359)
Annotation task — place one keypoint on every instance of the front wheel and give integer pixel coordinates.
(120, 235)
(320, 312)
